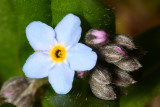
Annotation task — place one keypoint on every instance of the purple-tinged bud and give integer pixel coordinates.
(12, 88)
(20, 91)
(82, 74)
(125, 41)
(25, 101)
(122, 78)
(104, 92)
(128, 64)
(100, 35)
(112, 53)
(96, 37)
(99, 80)
(100, 75)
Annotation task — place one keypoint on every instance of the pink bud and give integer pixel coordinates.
(118, 49)
(96, 37)
(125, 41)
(129, 64)
(81, 73)
(112, 53)
(100, 35)
(122, 78)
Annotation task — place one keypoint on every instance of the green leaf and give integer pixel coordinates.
(92, 13)
(15, 16)
(98, 15)
(7, 105)
(28, 11)
(80, 96)
(9, 63)
(149, 84)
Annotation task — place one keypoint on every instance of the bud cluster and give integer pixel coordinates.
(113, 74)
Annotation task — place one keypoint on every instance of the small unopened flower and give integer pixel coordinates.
(13, 89)
(122, 78)
(100, 81)
(125, 41)
(100, 75)
(57, 53)
(103, 91)
(81, 74)
(128, 64)
(112, 53)
(96, 37)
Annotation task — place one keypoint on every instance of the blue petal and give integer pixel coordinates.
(81, 57)
(68, 31)
(81, 47)
(40, 35)
(37, 65)
(61, 78)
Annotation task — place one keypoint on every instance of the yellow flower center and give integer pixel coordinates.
(58, 54)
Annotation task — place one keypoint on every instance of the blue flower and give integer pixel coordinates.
(57, 53)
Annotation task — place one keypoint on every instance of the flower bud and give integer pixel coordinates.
(99, 80)
(100, 75)
(82, 74)
(128, 64)
(122, 78)
(112, 53)
(96, 37)
(25, 101)
(104, 92)
(125, 41)
(20, 91)
(12, 88)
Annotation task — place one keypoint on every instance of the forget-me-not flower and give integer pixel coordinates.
(57, 53)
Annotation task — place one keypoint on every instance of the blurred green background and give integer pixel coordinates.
(137, 18)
